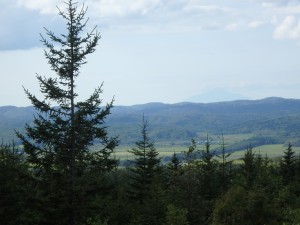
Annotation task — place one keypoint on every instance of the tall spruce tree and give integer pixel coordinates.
(207, 172)
(288, 165)
(15, 181)
(224, 166)
(249, 167)
(208, 187)
(189, 182)
(145, 165)
(58, 141)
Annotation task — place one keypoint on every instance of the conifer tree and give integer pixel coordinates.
(176, 216)
(146, 165)
(174, 172)
(174, 168)
(249, 167)
(144, 189)
(58, 141)
(208, 187)
(225, 166)
(207, 172)
(15, 181)
(189, 182)
(288, 165)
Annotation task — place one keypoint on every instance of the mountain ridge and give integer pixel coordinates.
(216, 95)
(271, 118)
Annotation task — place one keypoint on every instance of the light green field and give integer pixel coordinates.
(123, 154)
(272, 151)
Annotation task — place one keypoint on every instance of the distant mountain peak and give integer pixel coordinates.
(216, 95)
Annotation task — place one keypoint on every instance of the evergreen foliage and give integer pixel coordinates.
(248, 168)
(225, 168)
(247, 207)
(207, 172)
(189, 183)
(15, 181)
(288, 165)
(145, 192)
(57, 144)
(208, 182)
(176, 216)
(175, 163)
(145, 165)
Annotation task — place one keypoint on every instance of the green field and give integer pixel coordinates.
(272, 151)
(166, 149)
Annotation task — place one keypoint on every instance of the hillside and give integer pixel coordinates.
(271, 120)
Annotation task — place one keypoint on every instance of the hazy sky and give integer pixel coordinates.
(161, 50)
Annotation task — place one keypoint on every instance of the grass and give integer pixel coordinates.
(166, 149)
(272, 151)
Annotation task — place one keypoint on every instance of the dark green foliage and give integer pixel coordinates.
(173, 174)
(175, 164)
(289, 194)
(145, 165)
(15, 183)
(208, 183)
(225, 167)
(207, 172)
(247, 207)
(189, 184)
(145, 191)
(174, 171)
(176, 216)
(248, 168)
(67, 173)
(187, 192)
(288, 165)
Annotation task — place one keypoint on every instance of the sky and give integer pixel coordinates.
(160, 50)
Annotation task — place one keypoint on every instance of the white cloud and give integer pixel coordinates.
(289, 28)
(288, 10)
(118, 8)
(256, 24)
(102, 7)
(278, 3)
(156, 16)
(44, 6)
(197, 7)
(233, 26)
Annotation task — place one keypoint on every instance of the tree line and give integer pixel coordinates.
(201, 188)
(55, 178)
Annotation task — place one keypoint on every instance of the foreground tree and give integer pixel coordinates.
(248, 207)
(208, 183)
(63, 129)
(145, 191)
(225, 167)
(249, 168)
(189, 198)
(15, 181)
(145, 165)
(288, 165)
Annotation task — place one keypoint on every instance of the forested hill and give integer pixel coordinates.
(270, 120)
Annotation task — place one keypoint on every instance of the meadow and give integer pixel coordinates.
(271, 151)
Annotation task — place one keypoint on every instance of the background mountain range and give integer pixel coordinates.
(216, 95)
(267, 121)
